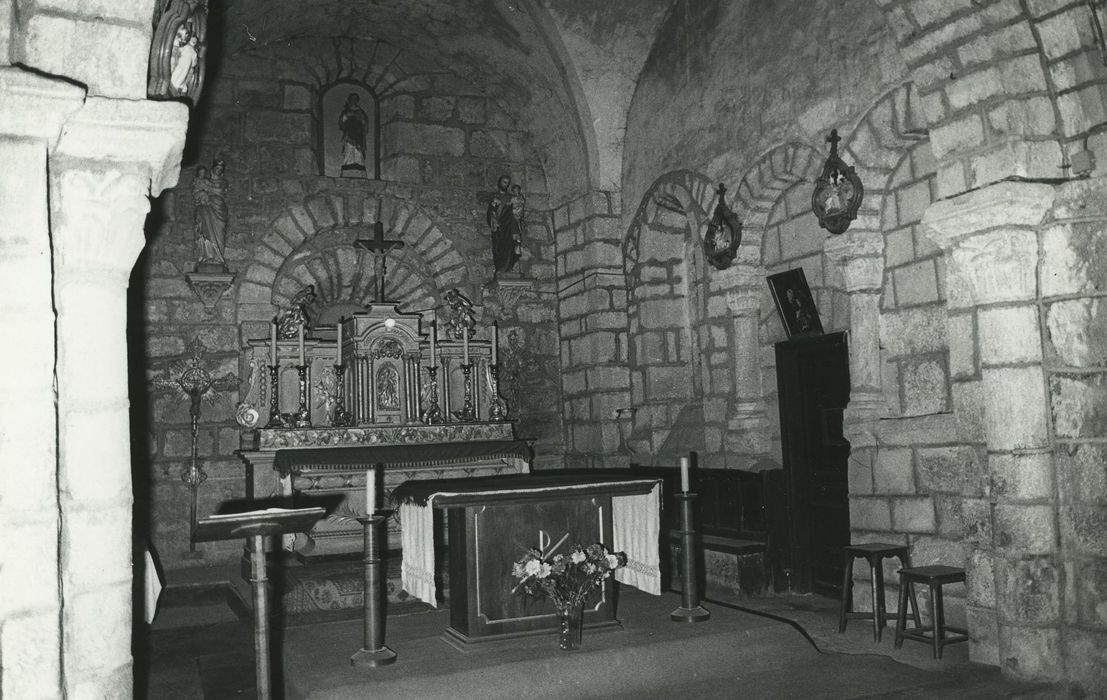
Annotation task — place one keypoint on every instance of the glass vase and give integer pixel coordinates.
(570, 619)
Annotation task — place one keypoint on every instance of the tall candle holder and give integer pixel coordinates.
(468, 413)
(303, 418)
(690, 609)
(497, 407)
(373, 651)
(276, 420)
(342, 418)
(433, 413)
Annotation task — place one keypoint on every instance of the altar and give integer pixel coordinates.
(382, 393)
(493, 521)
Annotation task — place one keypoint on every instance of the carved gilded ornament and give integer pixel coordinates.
(838, 191)
(178, 49)
(275, 439)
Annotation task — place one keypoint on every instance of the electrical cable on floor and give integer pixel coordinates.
(778, 618)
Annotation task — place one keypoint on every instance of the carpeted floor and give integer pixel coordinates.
(782, 647)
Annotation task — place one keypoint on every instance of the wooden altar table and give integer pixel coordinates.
(493, 521)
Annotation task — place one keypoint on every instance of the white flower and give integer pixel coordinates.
(544, 570)
(577, 557)
(612, 561)
(589, 568)
(532, 567)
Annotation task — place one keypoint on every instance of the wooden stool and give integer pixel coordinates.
(874, 553)
(935, 577)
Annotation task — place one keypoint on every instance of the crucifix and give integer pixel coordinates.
(380, 248)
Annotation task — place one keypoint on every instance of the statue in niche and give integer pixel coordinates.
(353, 124)
(296, 315)
(461, 314)
(388, 395)
(506, 216)
(176, 66)
(185, 55)
(209, 198)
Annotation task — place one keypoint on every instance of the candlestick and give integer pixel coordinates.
(684, 475)
(273, 342)
(465, 343)
(338, 345)
(434, 342)
(495, 341)
(302, 344)
(370, 491)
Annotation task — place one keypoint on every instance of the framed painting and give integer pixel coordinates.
(794, 303)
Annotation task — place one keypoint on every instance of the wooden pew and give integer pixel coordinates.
(740, 525)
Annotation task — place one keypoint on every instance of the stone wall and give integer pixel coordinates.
(441, 153)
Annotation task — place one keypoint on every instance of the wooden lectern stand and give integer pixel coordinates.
(255, 526)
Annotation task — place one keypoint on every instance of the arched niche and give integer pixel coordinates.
(349, 110)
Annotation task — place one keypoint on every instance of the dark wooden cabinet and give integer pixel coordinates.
(813, 385)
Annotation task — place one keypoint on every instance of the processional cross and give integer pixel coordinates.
(380, 248)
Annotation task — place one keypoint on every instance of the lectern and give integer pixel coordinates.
(255, 526)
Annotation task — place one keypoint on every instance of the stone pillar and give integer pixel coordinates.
(112, 155)
(32, 109)
(991, 245)
(747, 425)
(859, 255)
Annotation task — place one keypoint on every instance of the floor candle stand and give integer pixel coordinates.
(690, 609)
(373, 652)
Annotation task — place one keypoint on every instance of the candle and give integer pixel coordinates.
(684, 474)
(302, 344)
(434, 342)
(495, 342)
(465, 343)
(273, 343)
(338, 345)
(370, 491)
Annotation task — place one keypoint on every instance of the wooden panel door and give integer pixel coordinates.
(813, 385)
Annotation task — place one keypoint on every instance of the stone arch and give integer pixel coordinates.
(667, 311)
(310, 243)
(1000, 103)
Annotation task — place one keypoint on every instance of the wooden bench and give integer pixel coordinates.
(740, 525)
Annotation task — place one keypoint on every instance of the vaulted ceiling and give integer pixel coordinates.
(566, 69)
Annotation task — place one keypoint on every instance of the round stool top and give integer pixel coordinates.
(935, 572)
(875, 548)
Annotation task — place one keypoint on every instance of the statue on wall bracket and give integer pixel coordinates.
(838, 191)
(506, 219)
(724, 234)
(178, 49)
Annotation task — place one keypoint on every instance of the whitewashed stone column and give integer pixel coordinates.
(112, 155)
(990, 240)
(747, 425)
(32, 109)
(859, 254)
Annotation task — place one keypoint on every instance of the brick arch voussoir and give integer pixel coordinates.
(770, 176)
(292, 231)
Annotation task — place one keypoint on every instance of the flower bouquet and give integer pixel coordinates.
(566, 580)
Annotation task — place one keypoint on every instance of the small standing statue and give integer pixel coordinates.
(506, 216)
(209, 197)
(177, 50)
(461, 314)
(296, 314)
(353, 124)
